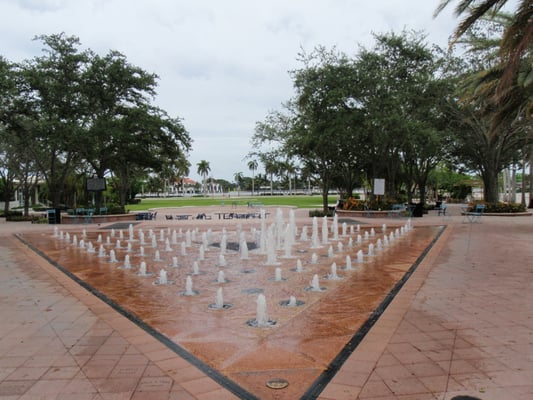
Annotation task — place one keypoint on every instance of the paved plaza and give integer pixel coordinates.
(462, 325)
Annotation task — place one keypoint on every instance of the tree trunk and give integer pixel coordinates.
(490, 182)
(531, 179)
(325, 204)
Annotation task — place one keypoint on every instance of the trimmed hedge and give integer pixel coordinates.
(501, 208)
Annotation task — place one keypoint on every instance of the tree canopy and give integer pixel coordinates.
(78, 111)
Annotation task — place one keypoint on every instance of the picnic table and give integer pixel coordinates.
(237, 215)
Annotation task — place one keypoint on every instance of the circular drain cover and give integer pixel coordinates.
(277, 383)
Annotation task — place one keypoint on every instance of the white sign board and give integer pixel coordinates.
(379, 187)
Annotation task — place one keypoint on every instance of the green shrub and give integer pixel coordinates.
(12, 215)
(501, 207)
(320, 213)
(114, 209)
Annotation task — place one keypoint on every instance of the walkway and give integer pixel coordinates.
(462, 325)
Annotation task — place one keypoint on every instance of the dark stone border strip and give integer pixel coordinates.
(322, 381)
(206, 369)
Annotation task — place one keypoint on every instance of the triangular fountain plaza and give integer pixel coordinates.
(306, 324)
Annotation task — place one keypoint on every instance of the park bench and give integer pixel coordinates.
(397, 211)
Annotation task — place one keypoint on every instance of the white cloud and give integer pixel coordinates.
(223, 65)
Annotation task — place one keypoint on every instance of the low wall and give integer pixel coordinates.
(96, 219)
(363, 214)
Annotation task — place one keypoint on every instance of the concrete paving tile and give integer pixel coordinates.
(13, 361)
(219, 394)
(15, 388)
(349, 378)
(161, 355)
(97, 371)
(425, 369)
(440, 383)
(48, 387)
(61, 373)
(127, 371)
(406, 386)
(375, 389)
(339, 392)
(153, 370)
(79, 385)
(418, 396)
(115, 385)
(488, 365)
(176, 366)
(116, 395)
(154, 384)
(43, 360)
(475, 381)
(393, 372)
(387, 360)
(150, 396)
(186, 374)
(28, 373)
(182, 395)
(5, 372)
(200, 385)
(511, 377)
(458, 367)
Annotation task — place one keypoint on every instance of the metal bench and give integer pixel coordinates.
(473, 216)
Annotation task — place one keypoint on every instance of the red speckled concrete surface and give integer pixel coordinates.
(460, 325)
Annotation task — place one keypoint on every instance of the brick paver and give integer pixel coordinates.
(462, 325)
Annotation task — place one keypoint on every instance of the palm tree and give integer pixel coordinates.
(271, 169)
(290, 169)
(183, 168)
(517, 36)
(203, 169)
(252, 166)
(238, 176)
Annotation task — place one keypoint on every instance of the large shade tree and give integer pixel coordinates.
(79, 112)
(513, 74)
(54, 106)
(357, 119)
(490, 135)
(123, 132)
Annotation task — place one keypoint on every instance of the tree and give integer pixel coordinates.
(482, 151)
(77, 109)
(490, 134)
(122, 123)
(252, 166)
(53, 110)
(182, 170)
(203, 169)
(9, 126)
(238, 176)
(363, 118)
(514, 45)
(326, 130)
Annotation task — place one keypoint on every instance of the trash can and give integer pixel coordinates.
(418, 211)
(54, 215)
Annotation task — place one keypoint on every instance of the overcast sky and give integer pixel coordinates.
(223, 64)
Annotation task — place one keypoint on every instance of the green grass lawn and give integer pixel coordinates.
(295, 201)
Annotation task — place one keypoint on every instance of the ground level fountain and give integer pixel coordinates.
(302, 301)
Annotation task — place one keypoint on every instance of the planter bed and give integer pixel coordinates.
(96, 219)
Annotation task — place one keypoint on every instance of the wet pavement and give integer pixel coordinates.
(461, 324)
